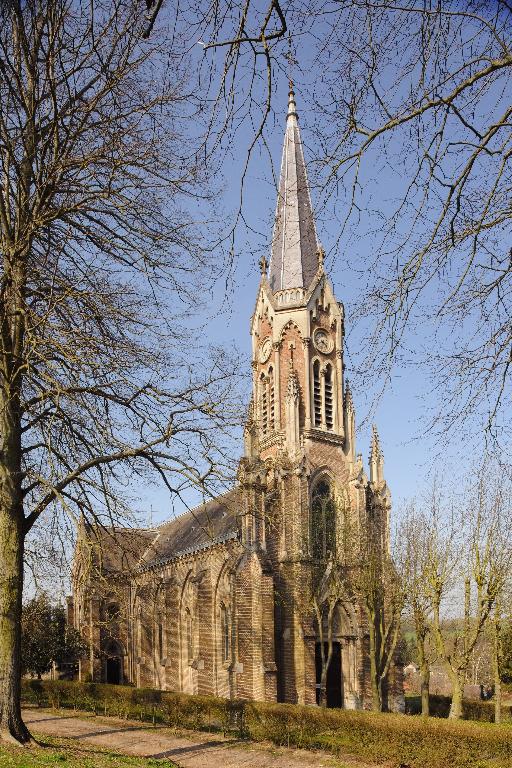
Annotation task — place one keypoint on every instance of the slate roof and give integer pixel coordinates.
(294, 259)
(119, 549)
(211, 523)
(132, 549)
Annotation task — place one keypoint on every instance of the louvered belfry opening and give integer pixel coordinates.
(329, 418)
(317, 394)
(272, 409)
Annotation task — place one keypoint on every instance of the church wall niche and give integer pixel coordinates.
(264, 326)
(189, 636)
(172, 628)
(205, 655)
(223, 631)
(159, 640)
(224, 640)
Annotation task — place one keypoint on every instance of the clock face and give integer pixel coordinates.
(323, 341)
(265, 350)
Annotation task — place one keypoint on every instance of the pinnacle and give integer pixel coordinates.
(293, 389)
(375, 449)
(348, 395)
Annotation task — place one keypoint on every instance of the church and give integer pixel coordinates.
(256, 594)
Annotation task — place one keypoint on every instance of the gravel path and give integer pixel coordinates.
(193, 750)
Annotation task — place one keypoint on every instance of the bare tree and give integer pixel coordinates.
(380, 586)
(100, 255)
(499, 625)
(413, 547)
(467, 565)
(330, 588)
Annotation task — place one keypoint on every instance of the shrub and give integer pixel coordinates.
(413, 741)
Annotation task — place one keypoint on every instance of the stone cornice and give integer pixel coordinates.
(276, 438)
(324, 436)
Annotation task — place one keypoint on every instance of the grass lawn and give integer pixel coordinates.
(67, 754)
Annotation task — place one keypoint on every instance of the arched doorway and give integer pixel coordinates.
(114, 670)
(334, 682)
(114, 665)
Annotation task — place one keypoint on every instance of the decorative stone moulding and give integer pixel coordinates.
(290, 296)
(275, 438)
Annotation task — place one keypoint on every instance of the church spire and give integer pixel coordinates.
(295, 246)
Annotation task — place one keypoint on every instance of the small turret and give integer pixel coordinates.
(376, 459)
(349, 421)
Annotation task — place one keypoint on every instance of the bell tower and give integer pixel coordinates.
(298, 325)
(301, 476)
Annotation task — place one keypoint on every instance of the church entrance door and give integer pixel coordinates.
(114, 670)
(334, 688)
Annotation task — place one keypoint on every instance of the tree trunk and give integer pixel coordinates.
(12, 542)
(457, 693)
(12, 727)
(326, 662)
(323, 687)
(497, 700)
(374, 668)
(421, 636)
(496, 660)
(424, 675)
(425, 690)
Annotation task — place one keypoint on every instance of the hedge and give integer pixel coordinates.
(176, 710)
(472, 709)
(411, 741)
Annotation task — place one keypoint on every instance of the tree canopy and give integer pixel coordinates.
(46, 639)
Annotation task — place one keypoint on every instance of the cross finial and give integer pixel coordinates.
(292, 109)
(289, 60)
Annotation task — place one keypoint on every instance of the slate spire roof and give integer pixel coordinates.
(295, 246)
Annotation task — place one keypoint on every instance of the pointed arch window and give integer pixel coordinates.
(160, 641)
(138, 638)
(264, 404)
(328, 403)
(190, 640)
(323, 521)
(225, 632)
(317, 395)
